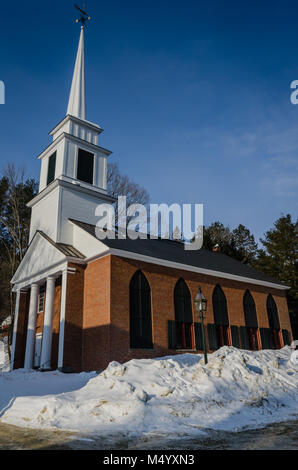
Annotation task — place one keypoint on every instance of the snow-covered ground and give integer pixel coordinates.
(174, 395)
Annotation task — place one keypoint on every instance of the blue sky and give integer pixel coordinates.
(194, 96)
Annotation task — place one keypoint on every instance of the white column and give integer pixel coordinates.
(31, 330)
(46, 348)
(62, 319)
(15, 328)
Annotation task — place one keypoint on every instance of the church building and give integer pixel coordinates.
(82, 302)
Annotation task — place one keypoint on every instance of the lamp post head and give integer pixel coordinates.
(200, 301)
(201, 306)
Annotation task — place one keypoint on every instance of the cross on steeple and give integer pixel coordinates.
(84, 16)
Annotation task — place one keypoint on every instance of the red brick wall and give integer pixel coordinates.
(162, 281)
(97, 310)
(96, 323)
(72, 353)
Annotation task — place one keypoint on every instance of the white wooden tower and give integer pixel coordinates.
(73, 182)
(73, 175)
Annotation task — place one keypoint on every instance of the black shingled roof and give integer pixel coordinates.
(174, 251)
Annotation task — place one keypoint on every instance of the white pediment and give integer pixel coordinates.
(41, 259)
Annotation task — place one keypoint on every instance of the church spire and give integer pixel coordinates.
(76, 104)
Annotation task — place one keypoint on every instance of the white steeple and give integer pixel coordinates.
(73, 175)
(76, 104)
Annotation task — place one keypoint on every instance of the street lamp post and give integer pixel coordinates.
(201, 306)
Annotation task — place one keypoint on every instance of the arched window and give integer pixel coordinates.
(183, 316)
(221, 318)
(251, 320)
(140, 312)
(182, 300)
(273, 321)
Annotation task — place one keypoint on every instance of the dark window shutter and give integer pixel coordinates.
(286, 337)
(244, 337)
(266, 338)
(85, 166)
(212, 336)
(235, 336)
(51, 168)
(199, 337)
(271, 339)
(172, 336)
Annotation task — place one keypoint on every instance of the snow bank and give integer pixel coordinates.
(4, 357)
(2, 353)
(7, 321)
(171, 395)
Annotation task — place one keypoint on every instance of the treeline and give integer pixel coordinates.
(15, 192)
(278, 256)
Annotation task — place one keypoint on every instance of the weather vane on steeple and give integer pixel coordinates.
(83, 17)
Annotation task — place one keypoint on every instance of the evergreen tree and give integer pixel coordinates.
(239, 243)
(279, 258)
(244, 244)
(217, 233)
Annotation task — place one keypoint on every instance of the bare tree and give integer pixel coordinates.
(122, 185)
(15, 215)
(15, 192)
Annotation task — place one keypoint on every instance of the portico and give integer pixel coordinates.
(44, 361)
(28, 281)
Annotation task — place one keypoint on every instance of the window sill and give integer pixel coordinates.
(185, 350)
(141, 349)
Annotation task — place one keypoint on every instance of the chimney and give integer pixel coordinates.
(216, 248)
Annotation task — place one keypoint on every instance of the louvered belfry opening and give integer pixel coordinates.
(251, 323)
(51, 168)
(140, 312)
(274, 324)
(221, 318)
(183, 316)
